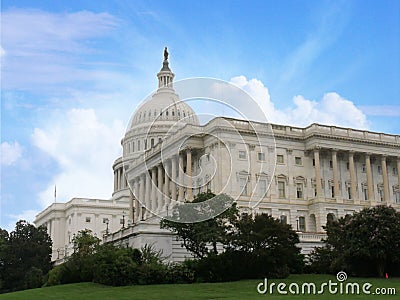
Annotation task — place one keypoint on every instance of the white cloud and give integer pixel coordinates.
(84, 148)
(51, 48)
(10, 153)
(27, 215)
(333, 109)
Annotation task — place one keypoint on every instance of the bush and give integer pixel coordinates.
(34, 278)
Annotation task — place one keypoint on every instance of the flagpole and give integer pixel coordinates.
(55, 193)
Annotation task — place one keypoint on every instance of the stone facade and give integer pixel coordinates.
(302, 176)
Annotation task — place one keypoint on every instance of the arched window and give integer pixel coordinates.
(133, 146)
(152, 143)
(330, 218)
(138, 145)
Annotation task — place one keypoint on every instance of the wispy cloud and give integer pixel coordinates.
(41, 49)
(381, 110)
(10, 153)
(327, 29)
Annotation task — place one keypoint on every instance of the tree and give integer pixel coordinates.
(25, 256)
(196, 237)
(366, 243)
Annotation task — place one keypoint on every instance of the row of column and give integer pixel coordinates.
(155, 188)
(353, 179)
(119, 180)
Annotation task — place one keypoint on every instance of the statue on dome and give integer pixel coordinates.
(165, 53)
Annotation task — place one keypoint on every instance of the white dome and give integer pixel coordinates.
(155, 118)
(164, 106)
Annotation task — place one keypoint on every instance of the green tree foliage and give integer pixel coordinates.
(366, 243)
(198, 237)
(25, 256)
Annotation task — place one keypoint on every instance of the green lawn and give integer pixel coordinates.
(229, 290)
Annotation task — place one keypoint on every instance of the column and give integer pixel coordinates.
(318, 183)
(137, 203)
(385, 180)
(371, 196)
(353, 180)
(154, 189)
(115, 181)
(398, 171)
(335, 174)
(142, 196)
(148, 187)
(131, 206)
(173, 177)
(181, 184)
(167, 172)
(117, 176)
(160, 187)
(189, 189)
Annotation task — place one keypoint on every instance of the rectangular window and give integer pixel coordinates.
(281, 189)
(347, 166)
(283, 219)
(263, 186)
(332, 191)
(279, 159)
(313, 162)
(298, 161)
(395, 172)
(363, 168)
(242, 154)
(397, 195)
(365, 194)
(302, 224)
(261, 156)
(299, 190)
(87, 219)
(315, 191)
(349, 193)
(379, 169)
(330, 164)
(381, 194)
(243, 186)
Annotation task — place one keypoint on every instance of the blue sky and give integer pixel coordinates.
(72, 72)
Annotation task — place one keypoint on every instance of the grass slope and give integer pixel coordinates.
(228, 290)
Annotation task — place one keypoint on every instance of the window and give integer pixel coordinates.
(138, 145)
(315, 190)
(261, 156)
(347, 166)
(242, 154)
(302, 223)
(133, 146)
(263, 186)
(283, 219)
(313, 162)
(397, 196)
(330, 164)
(159, 140)
(152, 143)
(243, 186)
(299, 191)
(349, 193)
(145, 144)
(298, 161)
(379, 169)
(395, 172)
(279, 159)
(87, 219)
(281, 189)
(333, 191)
(365, 191)
(381, 194)
(363, 168)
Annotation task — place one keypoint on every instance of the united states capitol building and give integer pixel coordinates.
(302, 176)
